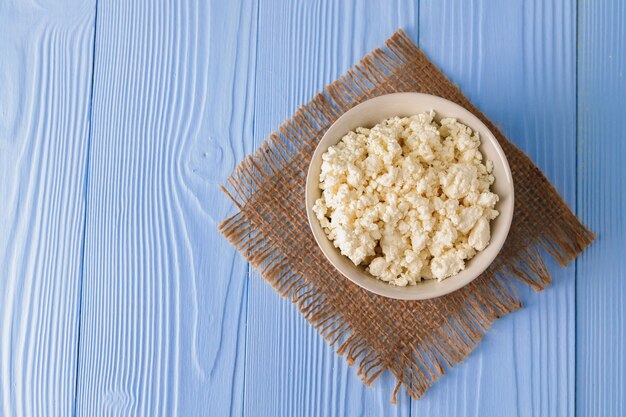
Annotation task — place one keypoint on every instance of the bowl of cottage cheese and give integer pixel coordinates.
(409, 196)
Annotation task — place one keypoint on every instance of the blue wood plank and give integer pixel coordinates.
(164, 295)
(601, 279)
(302, 46)
(46, 55)
(516, 62)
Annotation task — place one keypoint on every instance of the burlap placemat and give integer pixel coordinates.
(414, 340)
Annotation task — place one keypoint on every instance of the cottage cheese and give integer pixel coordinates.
(409, 199)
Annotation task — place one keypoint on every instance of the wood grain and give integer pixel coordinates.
(601, 283)
(45, 91)
(118, 295)
(164, 295)
(290, 370)
(516, 61)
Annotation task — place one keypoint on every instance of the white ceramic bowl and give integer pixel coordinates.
(375, 111)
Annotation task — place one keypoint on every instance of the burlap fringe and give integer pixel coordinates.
(473, 309)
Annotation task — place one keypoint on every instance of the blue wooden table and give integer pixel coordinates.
(118, 123)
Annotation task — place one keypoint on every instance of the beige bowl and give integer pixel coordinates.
(375, 111)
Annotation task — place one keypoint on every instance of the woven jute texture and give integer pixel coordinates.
(414, 340)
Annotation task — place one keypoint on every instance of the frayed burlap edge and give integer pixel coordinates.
(272, 181)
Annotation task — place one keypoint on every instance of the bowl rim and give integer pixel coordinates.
(451, 284)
